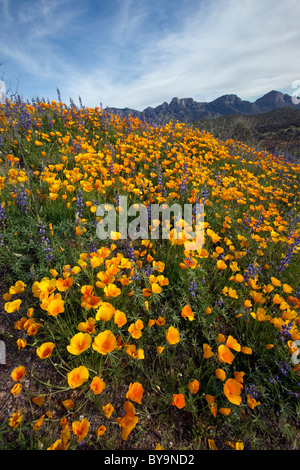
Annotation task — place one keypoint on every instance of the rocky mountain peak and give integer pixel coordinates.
(189, 110)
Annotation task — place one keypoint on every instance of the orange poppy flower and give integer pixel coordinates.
(17, 288)
(63, 284)
(97, 385)
(207, 352)
(172, 335)
(87, 290)
(79, 343)
(108, 410)
(38, 423)
(68, 404)
(221, 264)
(257, 297)
(214, 408)
(146, 292)
(220, 374)
(252, 403)
(211, 444)
(17, 388)
(160, 321)
(87, 326)
(105, 342)
(178, 400)
(105, 312)
(89, 300)
(246, 350)
(224, 354)
(286, 288)
(233, 344)
(120, 318)
(55, 307)
(77, 376)
(15, 419)
(221, 338)
(21, 343)
(135, 329)
(11, 307)
(111, 290)
(225, 411)
(45, 350)
(209, 398)
(101, 430)
(275, 281)
(232, 390)
(39, 400)
(187, 313)
(80, 428)
(18, 373)
(155, 287)
(193, 386)
(135, 392)
(159, 266)
(239, 376)
(128, 421)
(96, 261)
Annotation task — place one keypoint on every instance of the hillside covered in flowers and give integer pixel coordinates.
(143, 343)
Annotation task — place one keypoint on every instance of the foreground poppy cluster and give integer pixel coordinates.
(210, 332)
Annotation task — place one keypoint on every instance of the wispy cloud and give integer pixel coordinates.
(138, 53)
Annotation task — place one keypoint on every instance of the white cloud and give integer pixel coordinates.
(244, 48)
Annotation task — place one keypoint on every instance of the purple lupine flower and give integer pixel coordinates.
(2, 215)
(58, 95)
(111, 168)
(252, 271)
(45, 242)
(80, 102)
(285, 261)
(72, 104)
(50, 122)
(92, 248)
(148, 271)
(160, 185)
(219, 303)
(219, 179)
(22, 199)
(246, 220)
(257, 224)
(297, 293)
(25, 118)
(160, 178)
(205, 195)
(193, 288)
(284, 368)
(79, 204)
(285, 331)
(184, 182)
(130, 252)
(252, 391)
(135, 277)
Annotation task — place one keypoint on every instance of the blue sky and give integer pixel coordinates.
(139, 53)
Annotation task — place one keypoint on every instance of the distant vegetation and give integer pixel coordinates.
(277, 131)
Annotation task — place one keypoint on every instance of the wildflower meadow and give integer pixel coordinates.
(142, 342)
